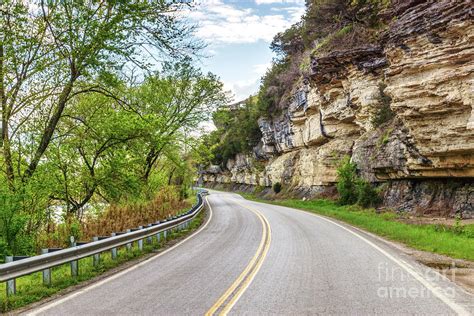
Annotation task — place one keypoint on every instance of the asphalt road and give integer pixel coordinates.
(258, 259)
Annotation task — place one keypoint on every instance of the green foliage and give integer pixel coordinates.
(353, 189)
(237, 132)
(288, 42)
(62, 50)
(258, 189)
(79, 129)
(259, 166)
(346, 181)
(339, 34)
(367, 196)
(384, 113)
(275, 84)
(457, 223)
(277, 187)
(21, 212)
(305, 65)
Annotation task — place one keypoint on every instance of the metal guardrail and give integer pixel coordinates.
(12, 270)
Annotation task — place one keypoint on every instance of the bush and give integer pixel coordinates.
(353, 189)
(258, 189)
(277, 187)
(346, 181)
(367, 196)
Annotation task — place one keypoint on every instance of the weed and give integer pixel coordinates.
(115, 218)
(458, 227)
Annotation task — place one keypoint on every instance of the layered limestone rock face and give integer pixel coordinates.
(425, 68)
(431, 82)
(305, 144)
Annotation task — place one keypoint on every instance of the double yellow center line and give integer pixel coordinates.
(225, 303)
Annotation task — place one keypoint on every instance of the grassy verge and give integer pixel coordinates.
(456, 241)
(30, 288)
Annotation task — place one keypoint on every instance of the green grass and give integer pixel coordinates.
(456, 242)
(30, 288)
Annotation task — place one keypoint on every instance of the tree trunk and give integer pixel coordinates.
(170, 177)
(50, 128)
(77, 206)
(5, 130)
(150, 163)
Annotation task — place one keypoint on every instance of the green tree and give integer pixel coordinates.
(175, 102)
(69, 126)
(237, 131)
(54, 52)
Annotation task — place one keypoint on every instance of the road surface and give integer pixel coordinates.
(258, 259)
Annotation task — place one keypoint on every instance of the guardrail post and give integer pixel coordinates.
(11, 284)
(46, 272)
(129, 245)
(74, 264)
(158, 237)
(149, 239)
(96, 257)
(140, 241)
(165, 234)
(114, 250)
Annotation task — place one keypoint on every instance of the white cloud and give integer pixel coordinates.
(242, 89)
(225, 23)
(278, 1)
(261, 69)
(295, 13)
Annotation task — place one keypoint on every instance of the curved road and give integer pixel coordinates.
(258, 259)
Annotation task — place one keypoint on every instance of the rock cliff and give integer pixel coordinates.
(422, 73)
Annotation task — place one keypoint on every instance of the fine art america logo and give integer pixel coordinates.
(399, 283)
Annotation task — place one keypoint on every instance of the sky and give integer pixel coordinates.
(238, 34)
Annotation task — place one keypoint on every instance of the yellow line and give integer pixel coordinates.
(252, 275)
(247, 276)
